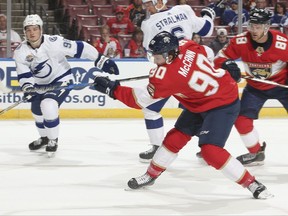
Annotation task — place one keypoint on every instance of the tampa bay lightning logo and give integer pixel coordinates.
(42, 70)
(53, 38)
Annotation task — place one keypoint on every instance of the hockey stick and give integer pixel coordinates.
(265, 81)
(73, 86)
(15, 104)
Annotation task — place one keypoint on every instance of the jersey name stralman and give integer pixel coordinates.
(172, 19)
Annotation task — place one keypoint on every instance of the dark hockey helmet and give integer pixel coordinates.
(260, 16)
(164, 43)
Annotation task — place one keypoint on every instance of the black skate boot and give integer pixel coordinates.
(147, 156)
(259, 191)
(141, 181)
(251, 159)
(37, 144)
(51, 148)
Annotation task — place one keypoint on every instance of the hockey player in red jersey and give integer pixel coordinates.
(210, 97)
(265, 55)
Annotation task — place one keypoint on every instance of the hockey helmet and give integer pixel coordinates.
(33, 19)
(260, 16)
(155, 1)
(165, 44)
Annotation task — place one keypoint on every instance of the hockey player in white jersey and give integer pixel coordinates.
(181, 21)
(40, 62)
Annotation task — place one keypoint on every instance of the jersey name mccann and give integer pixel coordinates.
(172, 19)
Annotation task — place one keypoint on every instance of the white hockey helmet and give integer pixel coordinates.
(32, 19)
(155, 1)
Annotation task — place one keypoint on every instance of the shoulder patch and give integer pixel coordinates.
(53, 38)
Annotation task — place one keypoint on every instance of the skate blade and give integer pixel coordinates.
(259, 163)
(145, 160)
(51, 154)
(137, 189)
(265, 195)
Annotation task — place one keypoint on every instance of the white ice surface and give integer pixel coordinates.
(96, 158)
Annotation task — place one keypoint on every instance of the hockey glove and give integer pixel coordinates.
(29, 92)
(233, 69)
(105, 85)
(106, 64)
(209, 12)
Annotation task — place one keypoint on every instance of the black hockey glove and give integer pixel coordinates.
(106, 64)
(105, 85)
(209, 12)
(233, 69)
(29, 92)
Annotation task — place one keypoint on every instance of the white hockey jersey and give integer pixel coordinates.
(48, 64)
(179, 20)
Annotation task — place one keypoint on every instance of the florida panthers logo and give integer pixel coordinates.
(261, 73)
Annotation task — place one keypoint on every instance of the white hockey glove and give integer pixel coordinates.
(106, 64)
(209, 12)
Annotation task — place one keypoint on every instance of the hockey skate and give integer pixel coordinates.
(253, 159)
(51, 147)
(141, 181)
(147, 156)
(259, 191)
(37, 144)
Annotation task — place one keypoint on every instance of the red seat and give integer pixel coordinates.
(103, 10)
(73, 10)
(97, 2)
(104, 18)
(124, 39)
(90, 20)
(87, 30)
(65, 3)
(193, 2)
(120, 2)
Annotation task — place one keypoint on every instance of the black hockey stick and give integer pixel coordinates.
(73, 86)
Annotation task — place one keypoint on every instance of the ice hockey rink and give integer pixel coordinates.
(96, 158)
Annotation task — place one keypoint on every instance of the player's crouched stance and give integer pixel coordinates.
(41, 62)
(209, 96)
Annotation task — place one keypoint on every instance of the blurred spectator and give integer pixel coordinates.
(120, 24)
(15, 37)
(230, 16)
(108, 45)
(181, 2)
(220, 41)
(219, 8)
(249, 5)
(198, 39)
(280, 13)
(135, 45)
(261, 4)
(136, 13)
